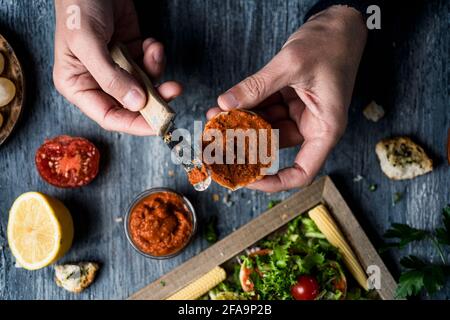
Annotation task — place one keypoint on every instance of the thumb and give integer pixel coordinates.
(115, 81)
(257, 87)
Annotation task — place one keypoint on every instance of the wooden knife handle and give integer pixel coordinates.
(158, 114)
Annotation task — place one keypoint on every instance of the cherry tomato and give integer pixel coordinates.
(306, 288)
(67, 162)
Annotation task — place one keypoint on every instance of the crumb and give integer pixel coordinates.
(171, 173)
(215, 197)
(373, 112)
(358, 178)
(118, 219)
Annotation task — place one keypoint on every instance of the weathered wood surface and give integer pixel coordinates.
(212, 45)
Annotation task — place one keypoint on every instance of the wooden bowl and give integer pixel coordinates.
(13, 71)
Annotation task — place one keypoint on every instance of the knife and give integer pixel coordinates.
(159, 115)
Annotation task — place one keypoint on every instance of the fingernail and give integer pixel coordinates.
(228, 100)
(158, 56)
(134, 100)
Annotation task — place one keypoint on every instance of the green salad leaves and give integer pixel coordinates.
(271, 269)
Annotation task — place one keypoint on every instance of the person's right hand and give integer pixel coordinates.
(86, 75)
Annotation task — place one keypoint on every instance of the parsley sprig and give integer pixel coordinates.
(420, 275)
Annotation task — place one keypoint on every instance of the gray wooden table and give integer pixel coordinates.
(211, 45)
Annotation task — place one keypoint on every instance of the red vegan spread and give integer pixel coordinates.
(197, 175)
(235, 175)
(160, 224)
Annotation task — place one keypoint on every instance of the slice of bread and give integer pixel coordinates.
(76, 277)
(401, 158)
(234, 175)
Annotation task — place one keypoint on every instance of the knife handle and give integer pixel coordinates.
(158, 114)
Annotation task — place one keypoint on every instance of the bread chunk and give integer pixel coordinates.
(401, 158)
(76, 277)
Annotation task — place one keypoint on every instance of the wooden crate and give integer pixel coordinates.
(322, 191)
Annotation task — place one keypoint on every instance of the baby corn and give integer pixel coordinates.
(200, 286)
(328, 227)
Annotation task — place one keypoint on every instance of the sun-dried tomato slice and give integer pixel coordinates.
(68, 162)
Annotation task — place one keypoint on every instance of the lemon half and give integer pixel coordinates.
(40, 230)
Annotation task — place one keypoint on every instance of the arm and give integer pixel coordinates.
(305, 91)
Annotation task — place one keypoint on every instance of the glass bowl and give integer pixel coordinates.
(146, 194)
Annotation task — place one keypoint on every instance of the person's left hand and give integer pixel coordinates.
(86, 75)
(305, 91)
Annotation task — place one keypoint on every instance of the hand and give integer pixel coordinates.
(305, 91)
(86, 75)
